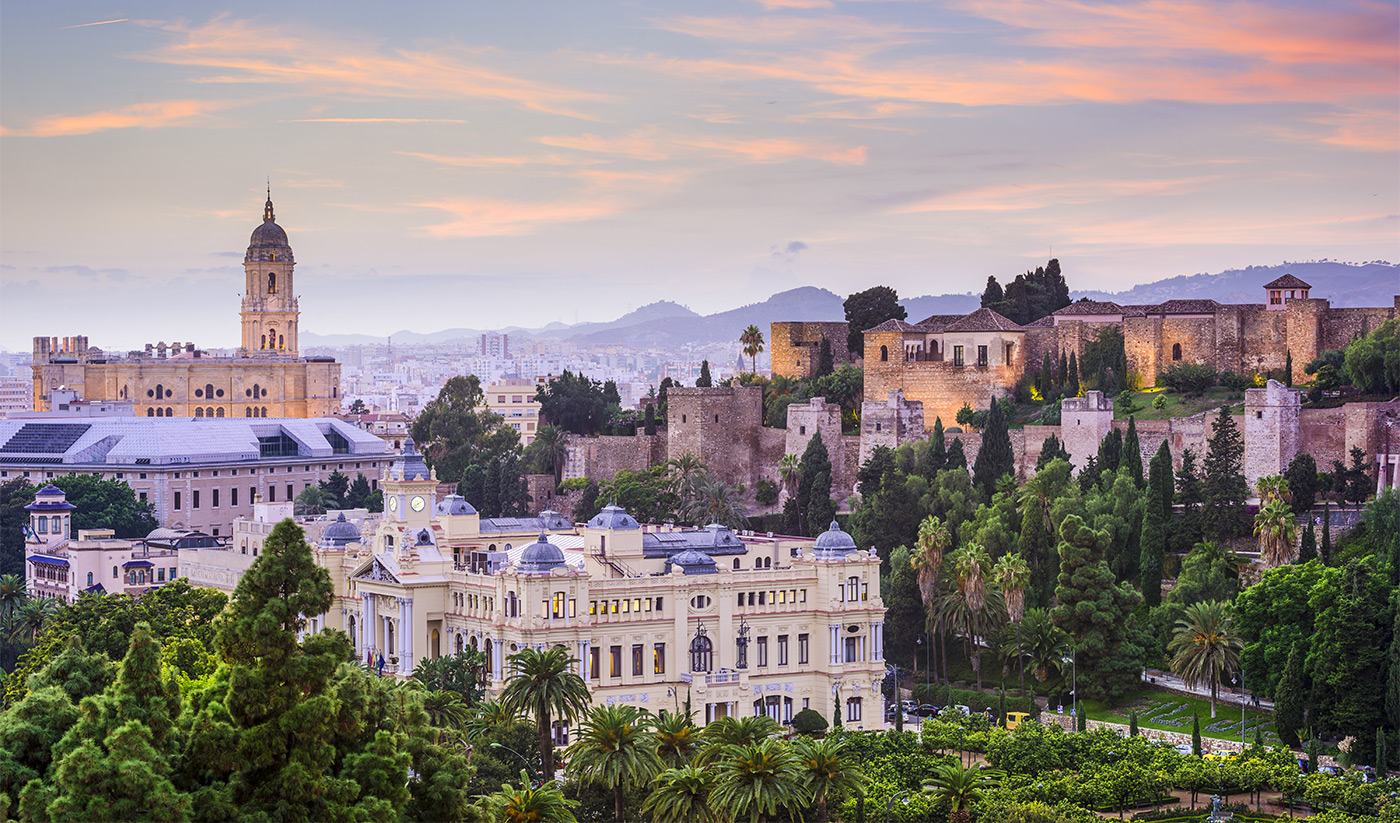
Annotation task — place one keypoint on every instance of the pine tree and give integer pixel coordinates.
(650, 420)
(1196, 735)
(815, 461)
(992, 296)
(956, 458)
(1392, 679)
(1132, 452)
(936, 455)
(704, 381)
(1089, 475)
(1224, 485)
(1073, 377)
(1186, 527)
(1093, 609)
(1153, 542)
(1288, 702)
(995, 457)
(826, 363)
(1307, 546)
(1051, 449)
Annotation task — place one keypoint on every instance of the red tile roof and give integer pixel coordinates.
(1287, 281)
(984, 319)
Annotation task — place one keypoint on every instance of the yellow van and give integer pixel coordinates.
(1014, 719)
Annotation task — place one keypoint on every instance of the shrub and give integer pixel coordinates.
(766, 492)
(808, 721)
(1235, 382)
(1159, 402)
(1189, 378)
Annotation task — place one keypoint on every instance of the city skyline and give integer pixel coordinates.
(452, 166)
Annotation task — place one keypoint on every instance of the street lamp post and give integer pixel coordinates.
(889, 807)
(534, 779)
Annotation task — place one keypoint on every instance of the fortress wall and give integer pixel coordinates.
(720, 426)
(600, 458)
(1265, 339)
(1323, 433)
(795, 346)
(1341, 326)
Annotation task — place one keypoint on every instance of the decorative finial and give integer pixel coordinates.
(268, 216)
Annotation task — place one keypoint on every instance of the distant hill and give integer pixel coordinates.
(805, 303)
(1347, 285)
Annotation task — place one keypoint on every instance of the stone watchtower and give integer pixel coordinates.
(270, 310)
(1084, 422)
(1270, 430)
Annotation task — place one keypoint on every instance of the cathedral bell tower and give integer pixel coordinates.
(270, 309)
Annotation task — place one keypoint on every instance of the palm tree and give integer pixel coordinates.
(961, 787)
(829, 771)
(32, 617)
(1046, 645)
(446, 711)
(681, 796)
(1274, 487)
(544, 684)
(687, 469)
(758, 780)
(1011, 574)
(313, 500)
(526, 804)
(677, 739)
(1206, 647)
(614, 747)
(934, 538)
(970, 608)
(1276, 526)
(752, 339)
(727, 731)
(789, 467)
(552, 448)
(13, 592)
(487, 717)
(714, 501)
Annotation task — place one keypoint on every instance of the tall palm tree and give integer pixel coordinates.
(830, 771)
(715, 501)
(687, 469)
(551, 446)
(970, 608)
(934, 538)
(727, 731)
(1046, 645)
(488, 717)
(1205, 647)
(526, 804)
(1276, 526)
(1011, 574)
(13, 592)
(752, 339)
(1274, 487)
(789, 467)
(758, 780)
(614, 747)
(545, 685)
(681, 795)
(961, 787)
(677, 739)
(446, 710)
(32, 617)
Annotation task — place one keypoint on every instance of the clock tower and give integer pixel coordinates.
(270, 312)
(410, 489)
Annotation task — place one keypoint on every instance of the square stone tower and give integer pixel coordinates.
(889, 423)
(1084, 421)
(1270, 429)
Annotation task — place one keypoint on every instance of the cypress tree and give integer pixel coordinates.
(1196, 735)
(826, 364)
(1132, 725)
(1062, 378)
(1288, 369)
(1224, 485)
(704, 381)
(1307, 546)
(1001, 708)
(650, 420)
(1153, 543)
(1045, 378)
(1288, 702)
(936, 455)
(1082, 721)
(1132, 452)
(995, 457)
(1089, 476)
(1073, 376)
(1325, 551)
(836, 715)
(491, 491)
(815, 461)
(1051, 449)
(1382, 761)
(1392, 679)
(1110, 452)
(1314, 754)
(956, 458)
(820, 508)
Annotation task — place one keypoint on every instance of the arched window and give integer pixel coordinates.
(208, 389)
(884, 353)
(218, 412)
(89, 578)
(56, 525)
(114, 572)
(160, 412)
(150, 412)
(264, 412)
(160, 392)
(264, 341)
(247, 411)
(702, 654)
(736, 564)
(1176, 351)
(169, 412)
(198, 412)
(271, 282)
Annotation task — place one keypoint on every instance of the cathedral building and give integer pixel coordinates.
(266, 376)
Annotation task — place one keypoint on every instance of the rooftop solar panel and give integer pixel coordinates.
(44, 438)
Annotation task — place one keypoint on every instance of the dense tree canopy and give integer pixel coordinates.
(868, 309)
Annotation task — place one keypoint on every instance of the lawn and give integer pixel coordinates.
(1176, 405)
(1172, 713)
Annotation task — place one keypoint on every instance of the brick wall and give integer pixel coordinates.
(719, 425)
(1322, 433)
(599, 458)
(795, 346)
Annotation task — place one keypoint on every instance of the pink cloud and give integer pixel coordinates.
(154, 115)
(1007, 198)
(484, 217)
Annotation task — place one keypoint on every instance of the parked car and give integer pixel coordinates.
(909, 705)
(926, 710)
(1183, 748)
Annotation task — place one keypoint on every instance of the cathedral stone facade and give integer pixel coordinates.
(266, 377)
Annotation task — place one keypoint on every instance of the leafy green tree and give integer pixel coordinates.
(649, 424)
(357, 497)
(1392, 680)
(994, 458)
(1037, 528)
(1093, 609)
(1373, 361)
(454, 429)
(28, 733)
(460, 673)
(905, 613)
(1224, 487)
(826, 362)
(1105, 361)
(15, 494)
(1273, 616)
(650, 495)
(1347, 655)
(961, 787)
(337, 487)
(704, 381)
(682, 794)
(107, 504)
(759, 780)
(1358, 479)
(1383, 524)
(868, 309)
(545, 685)
(1205, 648)
(574, 403)
(615, 747)
(830, 771)
(527, 804)
(1288, 704)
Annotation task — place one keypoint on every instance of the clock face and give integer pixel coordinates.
(417, 503)
(393, 504)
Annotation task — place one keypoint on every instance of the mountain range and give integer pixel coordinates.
(666, 324)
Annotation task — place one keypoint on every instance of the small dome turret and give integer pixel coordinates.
(613, 518)
(339, 534)
(692, 561)
(540, 557)
(454, 505)
(833, 543)
(409, 465)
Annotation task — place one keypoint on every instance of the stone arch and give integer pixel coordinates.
(1176, 351)
(884, 354)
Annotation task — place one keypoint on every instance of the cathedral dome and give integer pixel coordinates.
(269, 239)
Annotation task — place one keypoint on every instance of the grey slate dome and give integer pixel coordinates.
(454, 505)
(340, 533)
(691, 561)
(409, 465)
(833, 543)
(614, 518)
(540, 557)
(269, 234)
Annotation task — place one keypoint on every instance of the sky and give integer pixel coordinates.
(489, 164)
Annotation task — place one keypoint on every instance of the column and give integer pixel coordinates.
(583, 660)
(408, 631)
(879, 641)
(835, 632)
